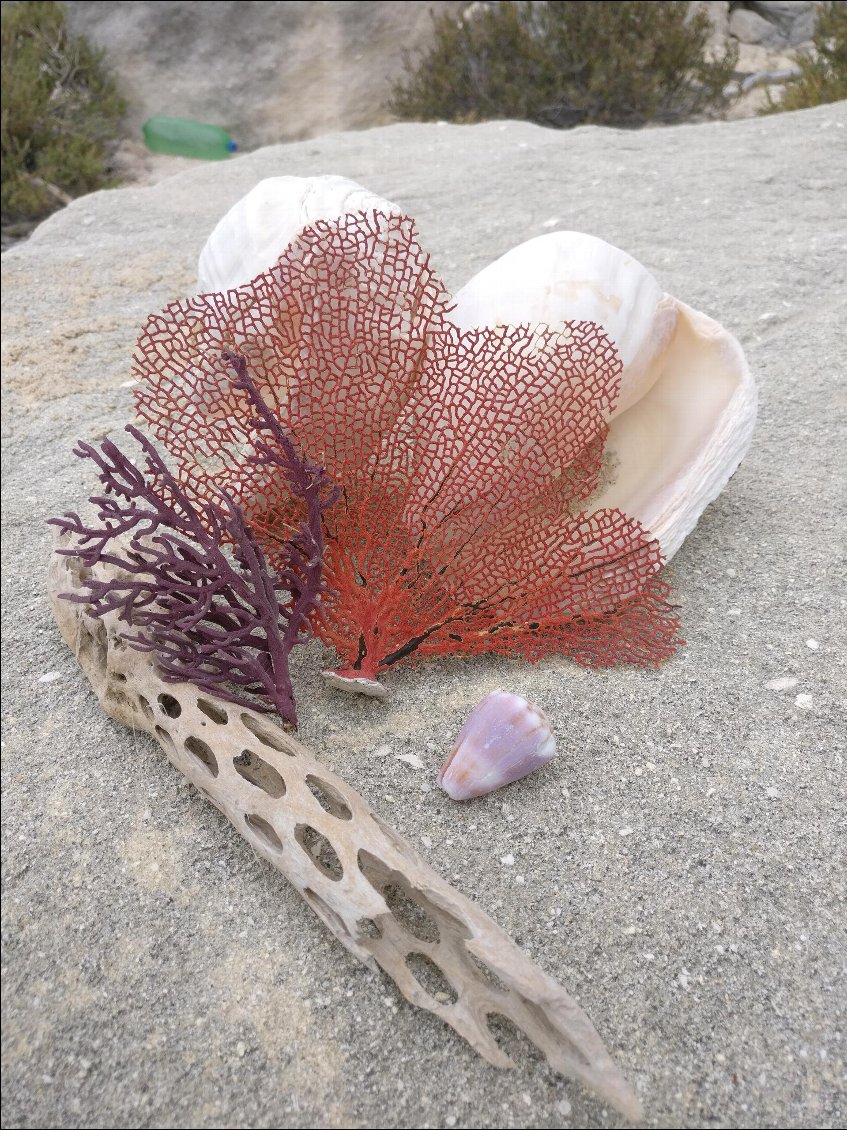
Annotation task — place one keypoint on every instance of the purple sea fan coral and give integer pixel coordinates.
(223, 622)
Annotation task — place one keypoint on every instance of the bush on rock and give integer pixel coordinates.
(61, 110)
(560, 65)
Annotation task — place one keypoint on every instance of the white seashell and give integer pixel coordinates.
(352, 683)
(255, 231)
(503, 739)
(568, 277)
(685, 415)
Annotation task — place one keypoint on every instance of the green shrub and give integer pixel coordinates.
(560, 64)
(823, 72)
(60, 110)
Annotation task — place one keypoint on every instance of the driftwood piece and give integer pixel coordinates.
(365, 881)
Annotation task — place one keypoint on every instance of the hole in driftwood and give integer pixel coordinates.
(266, 733)
(264, 830)
(322, 908)
(203, 754)
(410, 914)
(118, 677)
(488, 974)
(514, 1042)
(319, 850)
(369, 928)
(430, 977)
(328, 797)
(93, 644)
(146, 708)
(213, 711)
(259, 773)
(166, 740)
(169, 705)
(549, 1032)
(406, 906)
(117, 700)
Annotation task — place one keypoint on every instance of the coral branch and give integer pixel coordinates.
(223, 622)
(468, 460)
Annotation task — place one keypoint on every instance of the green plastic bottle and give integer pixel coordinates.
(187, 139)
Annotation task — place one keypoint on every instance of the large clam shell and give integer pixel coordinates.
(687, 407)
(257, 229)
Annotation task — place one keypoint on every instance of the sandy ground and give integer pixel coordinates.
(680, 867)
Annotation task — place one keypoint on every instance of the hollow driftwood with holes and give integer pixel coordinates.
(365, 881)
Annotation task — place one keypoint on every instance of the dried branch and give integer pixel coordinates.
(365, 881)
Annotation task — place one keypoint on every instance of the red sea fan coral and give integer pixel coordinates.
(466, 461)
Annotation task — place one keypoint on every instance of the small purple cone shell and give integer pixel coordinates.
(502, 740)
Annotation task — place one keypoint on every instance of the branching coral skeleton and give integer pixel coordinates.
(222, 622)
(465, 460)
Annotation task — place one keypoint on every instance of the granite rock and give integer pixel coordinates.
(268, 72)
(794, 18)
(748, 26)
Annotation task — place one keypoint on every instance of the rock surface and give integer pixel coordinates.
(795, 19)
(268, 72)
(679, 866)
(273, 72)
(748, 26)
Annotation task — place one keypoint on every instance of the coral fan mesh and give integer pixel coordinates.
(466, 461)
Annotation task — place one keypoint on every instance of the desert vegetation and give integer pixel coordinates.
(620, 64)
(61, 113)
(823, 69)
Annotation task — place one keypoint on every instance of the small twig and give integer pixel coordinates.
(53, 189)
(762, 78)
